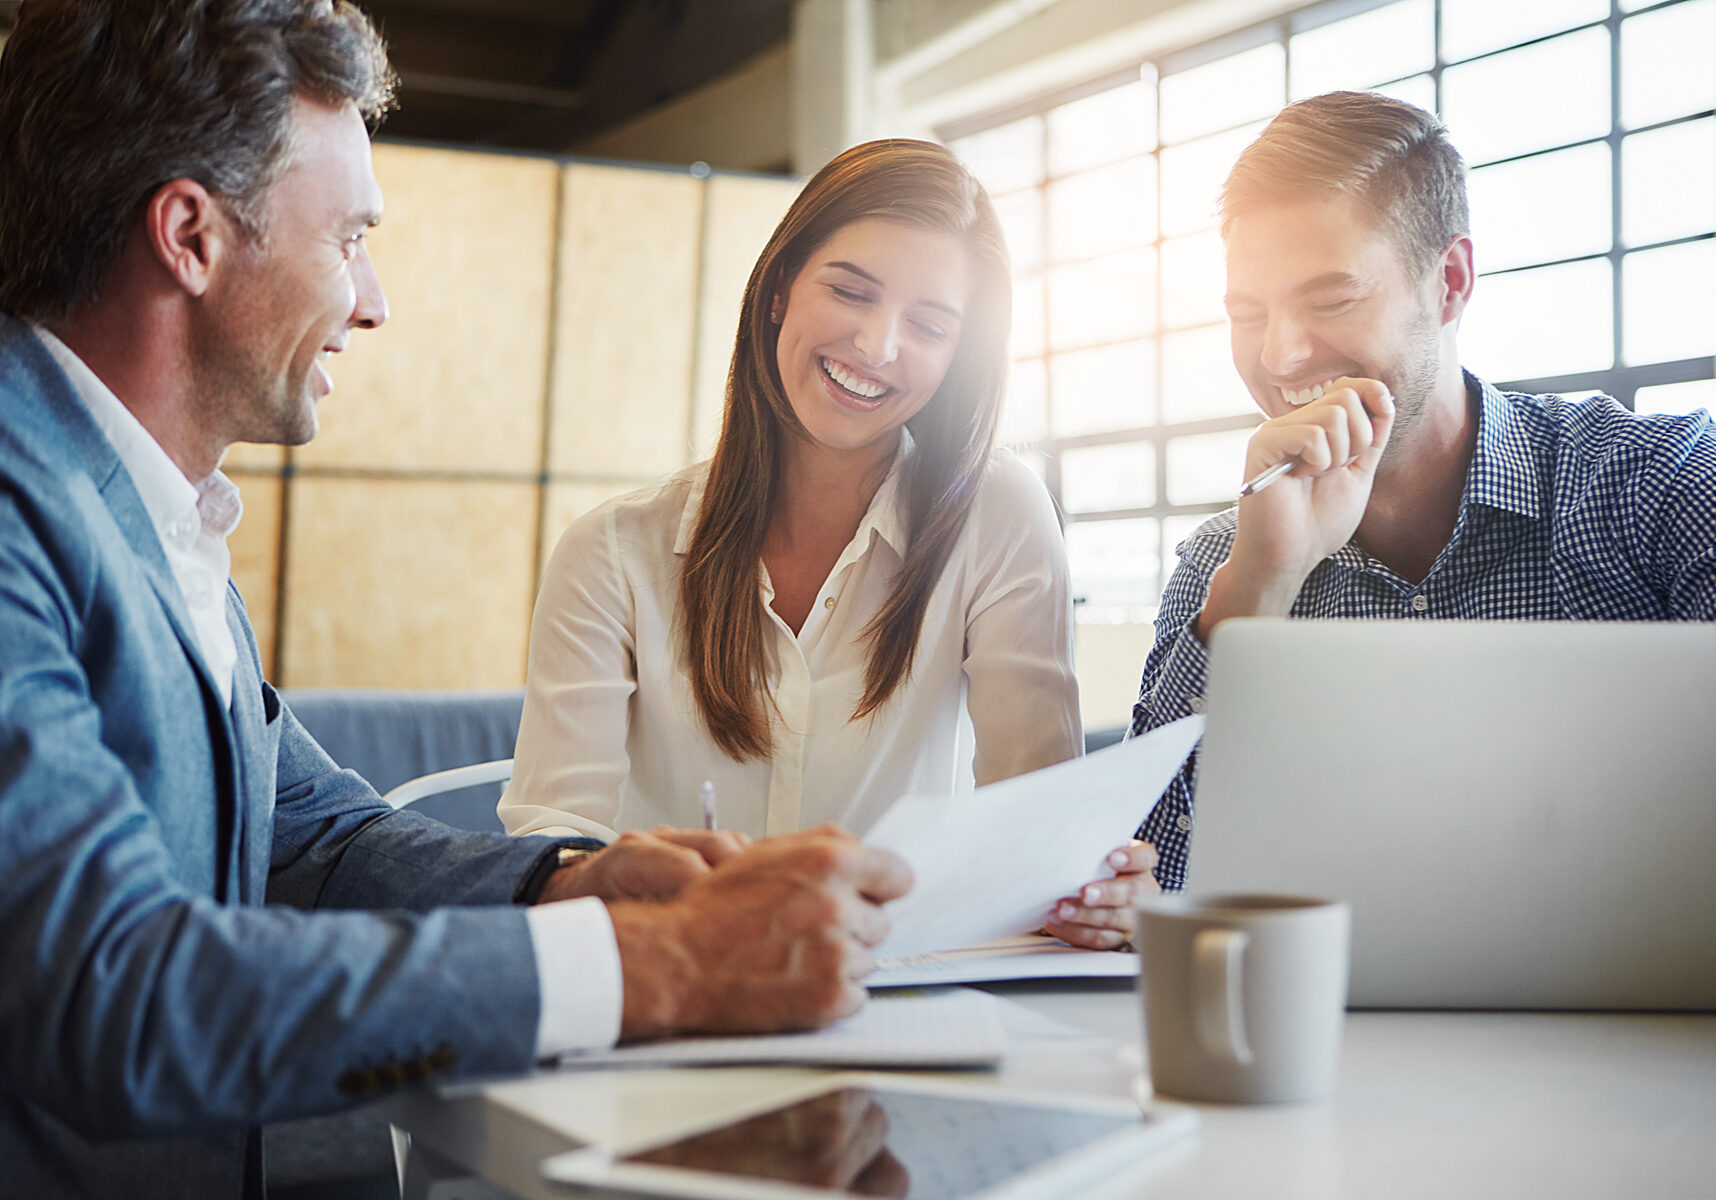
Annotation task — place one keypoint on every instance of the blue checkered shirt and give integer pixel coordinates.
(1575, 511)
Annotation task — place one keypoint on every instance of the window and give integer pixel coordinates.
(1590, 130)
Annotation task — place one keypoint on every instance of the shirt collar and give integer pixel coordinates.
(177, 508)
(1504, 463)
(693, 506)
(883, 516)
(1503, 474)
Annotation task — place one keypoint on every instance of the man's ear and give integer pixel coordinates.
(188, 232)
(1455, 276)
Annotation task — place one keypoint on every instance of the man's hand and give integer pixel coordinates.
(644, 866)
(779, 936)
(1100, 916)
(1289, 527)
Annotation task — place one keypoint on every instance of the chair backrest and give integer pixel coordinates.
(393, 736)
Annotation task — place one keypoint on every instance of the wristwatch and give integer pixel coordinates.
(530, 887)
(567, 855)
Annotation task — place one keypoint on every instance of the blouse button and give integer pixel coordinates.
(1420, 602)
(828, 603)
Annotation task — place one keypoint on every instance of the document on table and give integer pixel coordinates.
(1029, 956)
(946, 1027)
(989, 863)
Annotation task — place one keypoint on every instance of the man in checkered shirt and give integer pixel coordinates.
(1418, 491)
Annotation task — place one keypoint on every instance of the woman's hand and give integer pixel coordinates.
(1100, 916)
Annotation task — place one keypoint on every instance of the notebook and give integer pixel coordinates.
(1522, 814)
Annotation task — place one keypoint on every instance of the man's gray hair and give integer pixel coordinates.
(104, 101)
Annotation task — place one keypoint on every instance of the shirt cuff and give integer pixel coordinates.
(578, 972)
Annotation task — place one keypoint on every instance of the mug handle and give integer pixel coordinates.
(1218, 996)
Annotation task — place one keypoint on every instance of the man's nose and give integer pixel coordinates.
(1287, 346)
(370, 311)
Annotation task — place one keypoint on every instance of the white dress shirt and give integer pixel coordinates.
(578, 962)
(192, 521)
(612, 740)
(578, 972)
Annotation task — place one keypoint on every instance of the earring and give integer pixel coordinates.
(775, 315)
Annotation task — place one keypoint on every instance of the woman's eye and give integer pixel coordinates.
(931, 331)
(847, 294)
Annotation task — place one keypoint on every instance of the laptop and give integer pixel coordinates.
(1522, 814)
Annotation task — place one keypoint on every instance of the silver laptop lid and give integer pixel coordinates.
(1522, 814)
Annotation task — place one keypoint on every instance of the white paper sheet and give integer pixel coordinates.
(991, 862)
(1029, 956)
(946, 1027)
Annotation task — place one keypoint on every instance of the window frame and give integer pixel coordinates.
(1620, 380)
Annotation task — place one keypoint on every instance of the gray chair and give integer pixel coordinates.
(1096, 739)
(391, 737)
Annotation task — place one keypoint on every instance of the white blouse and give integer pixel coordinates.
(612, 740)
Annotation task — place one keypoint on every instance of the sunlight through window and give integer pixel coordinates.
(1595, 266)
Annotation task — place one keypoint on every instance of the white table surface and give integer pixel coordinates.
(1466, 1105)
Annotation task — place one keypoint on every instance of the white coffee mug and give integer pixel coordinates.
(1244, 996)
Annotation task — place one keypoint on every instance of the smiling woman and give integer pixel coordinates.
(822, 617)
(867, 332)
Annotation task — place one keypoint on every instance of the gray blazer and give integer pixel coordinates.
(164, 984)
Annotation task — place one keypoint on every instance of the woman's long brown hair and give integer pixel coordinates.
(724, 631)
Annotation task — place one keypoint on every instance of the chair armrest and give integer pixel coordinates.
(498, 771)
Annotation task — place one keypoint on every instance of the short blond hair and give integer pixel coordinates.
(1393, 157)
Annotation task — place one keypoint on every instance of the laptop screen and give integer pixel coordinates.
(1522, 814)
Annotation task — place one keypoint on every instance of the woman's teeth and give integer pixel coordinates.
(855, 384)
(1307, 395)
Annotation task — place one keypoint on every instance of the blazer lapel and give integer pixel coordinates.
(58, 414)
(255, 711)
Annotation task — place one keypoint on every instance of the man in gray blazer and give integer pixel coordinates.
(204, 923)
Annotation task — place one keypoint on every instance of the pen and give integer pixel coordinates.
(706, 801)
(1266, 477)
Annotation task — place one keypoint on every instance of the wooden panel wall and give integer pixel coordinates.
(740, 212)
(625, 321)
(550, 333)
